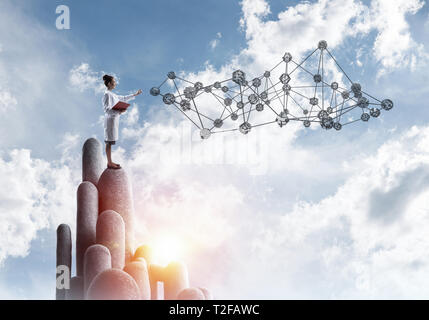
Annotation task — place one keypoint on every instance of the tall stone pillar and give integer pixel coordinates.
(111, 234)
(115, 193)
(76, 289)
(113, 284)
(87, 214)
(138, 270)
(64, 255)
(156, 273)
(175, 278)
(97, 259)
(92, 160)
(191, 294)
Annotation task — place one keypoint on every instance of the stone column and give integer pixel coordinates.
(115, 193)
(92, 160)
(76, 289)
(175, 279)
(87, 214)
(144, 252)
(64, 254)
(113, 284)
(191, 294)
(138, 270)
(155, 274)
(97, 259)
(111, 234)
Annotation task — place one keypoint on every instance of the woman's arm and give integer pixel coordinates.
(129, 97)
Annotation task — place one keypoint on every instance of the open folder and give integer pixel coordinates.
(121, 106)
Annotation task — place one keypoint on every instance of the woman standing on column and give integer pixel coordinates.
(111, 117)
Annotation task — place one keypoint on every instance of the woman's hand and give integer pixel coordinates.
(138, 92)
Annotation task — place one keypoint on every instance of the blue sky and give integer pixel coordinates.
(305, 199)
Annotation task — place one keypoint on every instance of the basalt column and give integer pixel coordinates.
(92, 161)
(64, 256)
(115, 193)
(87, 214)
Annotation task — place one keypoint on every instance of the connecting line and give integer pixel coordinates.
(350, 122)
(339, 65)
(185, 80)
(198, 113)
(323, 76)
(223, 105)
(266, 103)
(277, 95)
(162, 83)
(371, 96)
(299, 65)
(203, 115)
(276, 65)
(174, 103)
(297, 103)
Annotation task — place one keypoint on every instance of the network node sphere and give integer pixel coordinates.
(259, 107)
(234, 116)
(264, 95)
(253, 98)
(363, 102)
(323, 114)
(365, 116)
(185, 105)
(208, 89)
(256, 82)
(387, 104)
(374, 112)
(307, 123)
(286, 88)
(217, 85)
(322, 44)
(171, 75)
(198, 86)
(239, 77)
(334, 85)
(284, 78)
(314, 101)
(190, 92)
(169, 98)
(267, 74)
(356, 87)
(345, 95)
(317, 78)
(205, 133)
(155, 91)
(240, 105)
(337, 126)
(218, 123)
(245, 127)
(287, 57)
(305, 111)
(327, 123)
(227, 101)
(225, 89)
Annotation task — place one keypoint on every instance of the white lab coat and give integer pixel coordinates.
(111, 117)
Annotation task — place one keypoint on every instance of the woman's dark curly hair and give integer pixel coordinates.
(107, 79)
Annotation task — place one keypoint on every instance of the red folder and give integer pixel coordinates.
(121, 106)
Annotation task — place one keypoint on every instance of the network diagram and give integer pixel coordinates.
(315, 91)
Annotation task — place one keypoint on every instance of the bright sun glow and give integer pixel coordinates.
(167, 249)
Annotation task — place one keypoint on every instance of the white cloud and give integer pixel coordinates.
(7, 101)
(214, 43)
(83, 78)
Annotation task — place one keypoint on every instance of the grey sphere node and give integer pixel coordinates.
(327, 123)
(171, 75)
(208, 89)
(225, 89)
(314, 101)
(239, 77)
(363, 102)
(259, 107)
(305, 111)
(317, 78)
(155, 91)
(374, 112)
(282, 119)
(337, 126)
(217, 85)
(190, 92)
(253, 98)
(227, 101)
(356, 87)
(365, 116)
(267, 102)
(345, 95)
(185, 104)
(322, 114)
(234, 116)
(198, 85)
(357, 94)
(205, 133)
(387, 104)
(306, 123)
(263, 95)
(322, 45)
(169, 98)
(240, 105)
(256, 82)
(284, 78)
(245, 127)
(287, 57)
(218, 123)
(245, 83)
(329, 110)
(334, 85)
(286, 88)
(267, 74)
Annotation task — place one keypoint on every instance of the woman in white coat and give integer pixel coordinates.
(111, 117)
